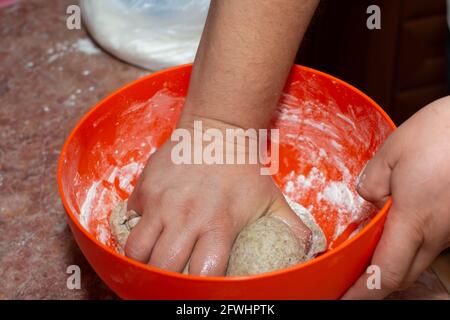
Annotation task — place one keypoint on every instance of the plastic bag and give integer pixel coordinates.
(153, 34)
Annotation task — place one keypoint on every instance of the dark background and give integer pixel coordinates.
(402, 66)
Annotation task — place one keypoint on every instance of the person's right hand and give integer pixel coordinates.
(194, 212)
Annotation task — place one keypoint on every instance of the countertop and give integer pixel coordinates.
(50, 76)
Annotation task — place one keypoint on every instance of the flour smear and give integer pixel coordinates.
(323, 148)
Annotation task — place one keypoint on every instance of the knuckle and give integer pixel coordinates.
(190, 209)
(178, 210)
(134, 251)
(221, 234)
(220, 230)
(391, 280)
(223, 218)
(406, 284)
(370, 192)
(417, 234)
(153, 192)
(147, 191)
(221, 238)
(174, 196)
(164, 196)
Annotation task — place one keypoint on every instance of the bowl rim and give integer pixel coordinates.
(73, 218)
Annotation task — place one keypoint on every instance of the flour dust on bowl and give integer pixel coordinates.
(328, 131)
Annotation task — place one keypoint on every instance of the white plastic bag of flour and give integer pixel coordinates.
(153, 34)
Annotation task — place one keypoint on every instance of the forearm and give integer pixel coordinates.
(244, 58)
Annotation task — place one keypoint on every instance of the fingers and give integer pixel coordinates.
(422, 260)
(282, 210)
(374, 181)
(173, 248)
(133, 202)
(167, 246)
(397, 249)
(211, 252)
(142, 238)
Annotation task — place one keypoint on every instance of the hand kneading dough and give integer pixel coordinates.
(121, 222)
(265, 245)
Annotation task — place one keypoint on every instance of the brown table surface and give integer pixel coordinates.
(50, 77)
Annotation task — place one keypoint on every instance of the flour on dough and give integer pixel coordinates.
(319, 241)
(121, 222)
(265, 245)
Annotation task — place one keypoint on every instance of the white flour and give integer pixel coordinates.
(299, 183)
(86, 208)
(327, 156)
(338, 194)
(86, 46)
(60, 49)
(324, 177)
(319, 242)
(350, 206)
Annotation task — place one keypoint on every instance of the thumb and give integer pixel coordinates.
(374, 181)
(282, 210)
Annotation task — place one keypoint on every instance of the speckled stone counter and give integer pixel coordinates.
(50, 76)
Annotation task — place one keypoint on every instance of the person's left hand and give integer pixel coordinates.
(413, 166)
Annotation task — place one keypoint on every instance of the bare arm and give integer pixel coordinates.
(246, 52)
(194, 212)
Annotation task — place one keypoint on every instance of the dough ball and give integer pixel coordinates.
(267, 244)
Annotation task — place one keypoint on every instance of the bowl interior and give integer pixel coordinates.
(328, 131)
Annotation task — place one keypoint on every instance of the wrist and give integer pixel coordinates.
(241, 114)
(211, 141)
(188, 120)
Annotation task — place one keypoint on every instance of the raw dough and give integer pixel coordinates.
(319, 241)
(121, 222)
(267, 244)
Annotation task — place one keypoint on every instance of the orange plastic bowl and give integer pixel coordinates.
(324, 118)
